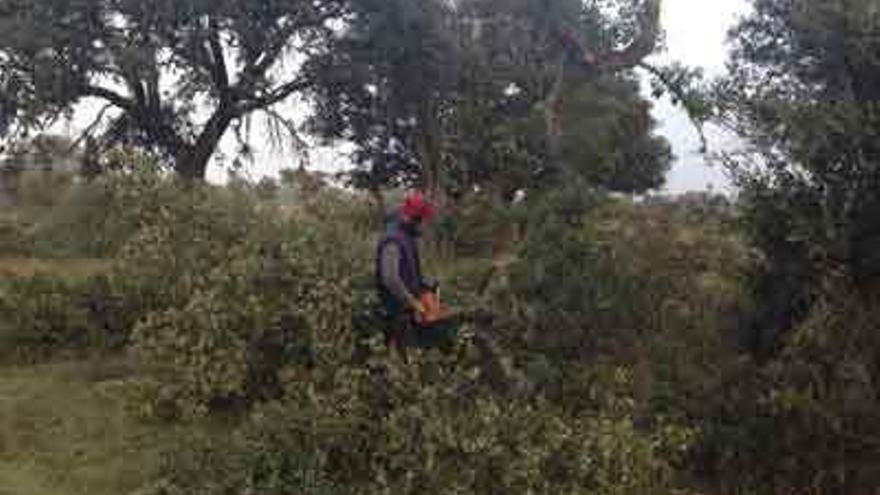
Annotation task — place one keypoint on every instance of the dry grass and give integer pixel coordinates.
(65, 268)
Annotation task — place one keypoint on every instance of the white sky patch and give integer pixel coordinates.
(696, 34)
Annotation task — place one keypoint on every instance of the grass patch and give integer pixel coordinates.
(65, 268)
(64, 431)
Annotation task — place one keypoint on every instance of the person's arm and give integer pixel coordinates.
(390, 269)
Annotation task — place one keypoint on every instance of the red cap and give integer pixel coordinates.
(416, 207)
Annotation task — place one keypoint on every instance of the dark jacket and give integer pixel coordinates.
(408, 277)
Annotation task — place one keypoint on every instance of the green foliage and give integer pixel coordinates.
(216, 291)
(609, 140)
(42, 316)
(451, 98)
(482, 224)
(232, 302)
(624, 272)
(13, 236)
(90, 219)
(284, 301)
(392, 430)
(226, 55)
(598, 283)
(812, 410)
(801, 90)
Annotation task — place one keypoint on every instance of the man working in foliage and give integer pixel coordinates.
(399, 271)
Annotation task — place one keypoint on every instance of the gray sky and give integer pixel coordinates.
(696, 32)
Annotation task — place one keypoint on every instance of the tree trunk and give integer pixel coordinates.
(378, 203)
(429, 153)
(191, 163)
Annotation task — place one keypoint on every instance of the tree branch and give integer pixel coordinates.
(150, 122)
(682, 96)
(260, 65)
(276, 96)
(218, 68)
(109, 95)
(299, 145)
(90, 128)
(641, 46)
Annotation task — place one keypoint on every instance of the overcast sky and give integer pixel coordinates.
(696, 32)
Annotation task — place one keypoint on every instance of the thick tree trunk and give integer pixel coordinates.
(191, 163)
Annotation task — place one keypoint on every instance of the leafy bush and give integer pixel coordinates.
(222, 296)
(812, 411)
(620, 281)
(386, 429)
(97, 218)
(43, 315)
(49, 315)
(252, 317)
(480, 225)
(14, 236)
(41, 189)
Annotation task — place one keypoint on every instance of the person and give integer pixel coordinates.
(399, 271)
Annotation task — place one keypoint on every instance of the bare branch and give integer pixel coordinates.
(276, 96)
(260, 65)
(90, 128)
(219, 70)
(109, 95)
(299, 144)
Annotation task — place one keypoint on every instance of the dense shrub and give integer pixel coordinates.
(14, 236)
(97, 218)
(808, 419)
(47, 315)
(284, 303)
(624, 284)
(222, 293)
(481, 224)
(390, 430)
(42, 316)
(41, 189)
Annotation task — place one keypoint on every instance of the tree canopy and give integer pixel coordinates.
(802, 91)
(178, 73)
(473, 93)
(446, 95)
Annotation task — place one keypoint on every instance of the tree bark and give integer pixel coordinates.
(192, 162)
